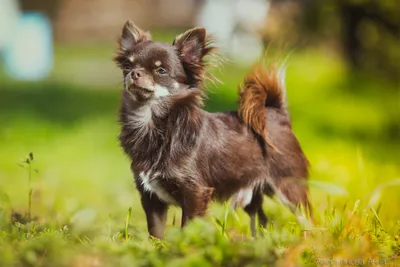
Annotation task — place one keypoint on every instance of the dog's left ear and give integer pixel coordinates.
(192, 46)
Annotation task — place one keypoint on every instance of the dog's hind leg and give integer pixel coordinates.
(255, 208)
(294, 194)
(268, 191)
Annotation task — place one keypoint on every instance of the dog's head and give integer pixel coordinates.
(153, 70)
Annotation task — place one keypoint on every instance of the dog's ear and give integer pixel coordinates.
(192, 46)
(131, 36)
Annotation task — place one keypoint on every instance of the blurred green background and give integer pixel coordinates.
(345, 112)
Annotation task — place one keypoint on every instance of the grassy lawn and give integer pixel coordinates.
(347, 123)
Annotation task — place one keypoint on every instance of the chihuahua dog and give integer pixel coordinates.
(185, 156)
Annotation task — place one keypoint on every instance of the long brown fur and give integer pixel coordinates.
(183, 155)
(261, 88)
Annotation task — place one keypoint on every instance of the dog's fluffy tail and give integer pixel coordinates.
(263, 87)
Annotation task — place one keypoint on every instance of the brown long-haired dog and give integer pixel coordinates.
(182, 155)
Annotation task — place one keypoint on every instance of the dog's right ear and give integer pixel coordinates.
(131, 36)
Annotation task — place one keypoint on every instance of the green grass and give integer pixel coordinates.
(86, 212)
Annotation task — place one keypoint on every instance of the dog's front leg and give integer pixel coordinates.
(194, 202)
(156, 214)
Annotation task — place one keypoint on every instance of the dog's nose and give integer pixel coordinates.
(136, 74)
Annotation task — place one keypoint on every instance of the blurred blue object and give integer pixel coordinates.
(28, 54)
(235, 29)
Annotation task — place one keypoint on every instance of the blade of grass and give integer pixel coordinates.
(376, 216)
(128, 218)
(224, 222)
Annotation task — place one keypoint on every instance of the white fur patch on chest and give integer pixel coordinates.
(160, 91)
(151, 184)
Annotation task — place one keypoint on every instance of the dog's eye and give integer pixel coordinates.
(127, 66)
(161, 71)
